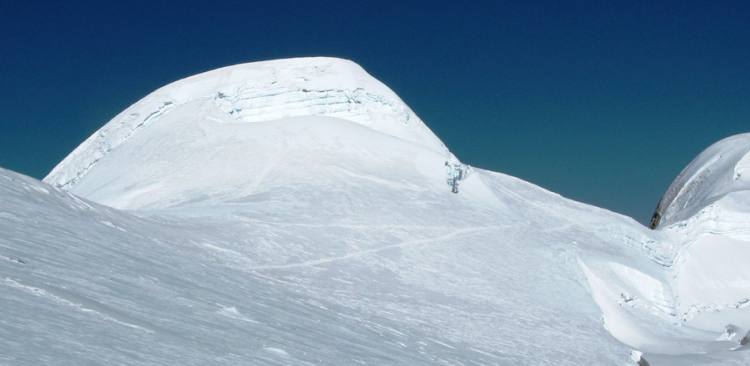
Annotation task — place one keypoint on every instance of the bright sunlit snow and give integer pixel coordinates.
(297, 212)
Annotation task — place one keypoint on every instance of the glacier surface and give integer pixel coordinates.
(296, 212)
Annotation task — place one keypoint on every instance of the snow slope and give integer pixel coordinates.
(256, 92)
(255, 219)
(705, 211)
(720, 170)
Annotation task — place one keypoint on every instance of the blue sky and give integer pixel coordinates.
(603, 103)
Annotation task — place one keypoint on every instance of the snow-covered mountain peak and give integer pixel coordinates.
(227, 129)
(297, 212)
(720, 170)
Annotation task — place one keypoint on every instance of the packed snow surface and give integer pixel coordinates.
(297, 212)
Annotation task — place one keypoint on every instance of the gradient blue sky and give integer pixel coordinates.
(602, 102)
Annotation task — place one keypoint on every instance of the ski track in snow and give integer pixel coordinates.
(409, 243)
(361, 253)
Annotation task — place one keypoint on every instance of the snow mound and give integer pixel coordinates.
(706, 216)
(721, 169)
(209, 162)
(251, 93)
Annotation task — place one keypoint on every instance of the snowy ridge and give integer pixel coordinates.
(722, 168)
(706, 214)
(260, 91)
(296, 212)
(97, 146)
(194, 157)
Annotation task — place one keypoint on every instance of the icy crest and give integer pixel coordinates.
(721, 169)
(256, 92)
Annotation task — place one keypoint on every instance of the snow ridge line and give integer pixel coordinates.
(100, 146)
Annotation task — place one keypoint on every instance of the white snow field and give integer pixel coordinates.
(297, 212)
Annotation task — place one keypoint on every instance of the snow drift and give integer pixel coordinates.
(296, 212)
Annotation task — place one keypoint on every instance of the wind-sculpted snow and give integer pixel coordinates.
(254, 92)
(706, 211)
(721, 169)
(331, 236)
